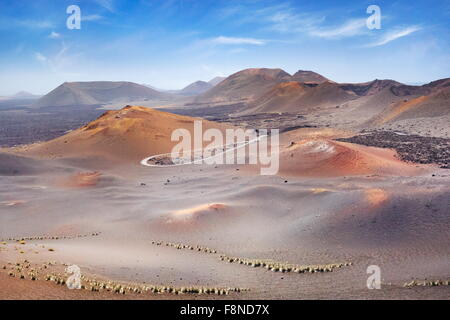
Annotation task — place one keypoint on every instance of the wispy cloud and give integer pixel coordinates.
(40, 24)
(349, 28)
(394, 35)
(281, 17)
(54, 35)
(237, 41)
(107, 4)
(40, 57)
(229, 11)
(91, 17)
(285, 20)
(60, 61)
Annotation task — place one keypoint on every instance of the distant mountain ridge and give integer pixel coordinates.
(263, 90)
(250, 84)
(25, 95)
(243, 85)
(192, 89)
(295, 96)
(97, 92)
(195, 88)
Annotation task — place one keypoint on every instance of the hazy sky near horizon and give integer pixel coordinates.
(171, 43)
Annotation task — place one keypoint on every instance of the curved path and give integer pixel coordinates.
(165, 159)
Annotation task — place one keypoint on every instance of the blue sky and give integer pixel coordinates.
(171, 43)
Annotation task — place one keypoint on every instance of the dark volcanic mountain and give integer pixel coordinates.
(97, 92)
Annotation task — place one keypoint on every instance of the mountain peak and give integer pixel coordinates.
(276, 74)
(244, 85)
(195, 88)
(309, 76)
(25, 95)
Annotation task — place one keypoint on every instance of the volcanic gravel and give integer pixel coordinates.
(411, 148)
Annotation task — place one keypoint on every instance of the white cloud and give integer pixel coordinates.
(40, 57)
(233, 41)
(107, 4)
(42, 24)
(59, 62)
(287, 21)
(350, 28)
(91, 17)
(283, 18)
(54, 35)
(229, 11)
(393, 35)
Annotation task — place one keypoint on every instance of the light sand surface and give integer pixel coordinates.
(331, 203)
(399, 223)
